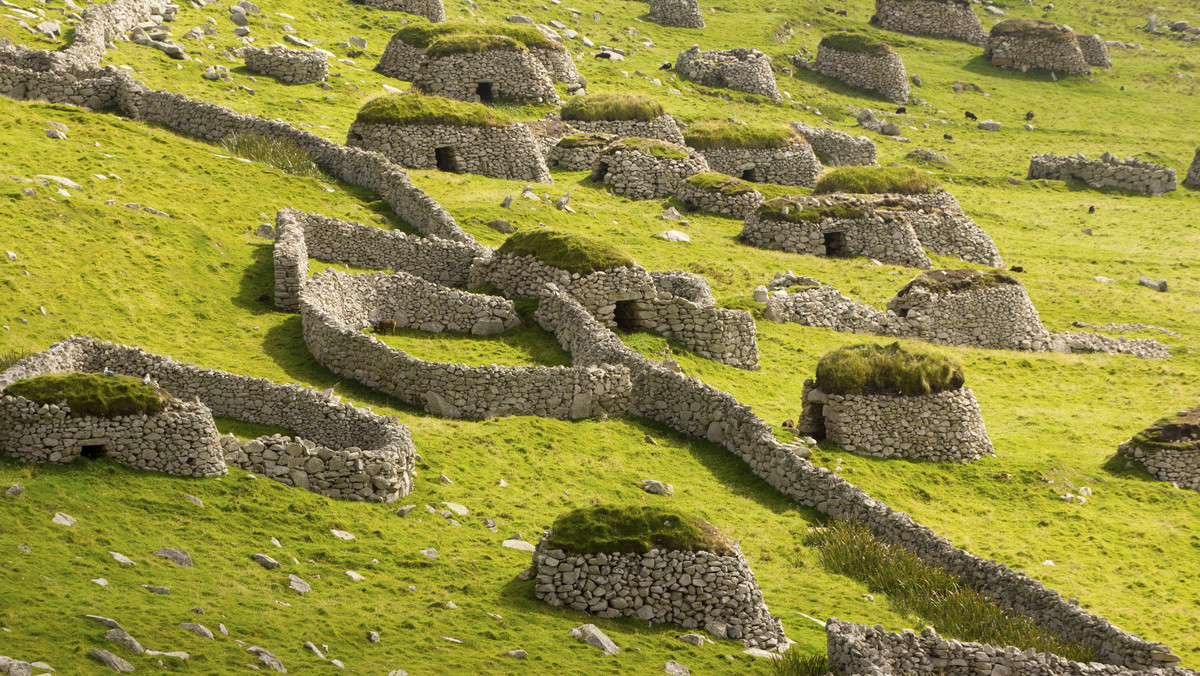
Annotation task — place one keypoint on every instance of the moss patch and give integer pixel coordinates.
(707, 134)
(586, 140)
(424, 35)
(887, 369)
(716, 182)
(416, 108)
(567, 251)
(634, 529)
(876, 180)
(854, 42)
(947, 281)
(473, 44)
(649, 146)
(1032, 28)
(612, 108)
(93, 393)
(788, 209)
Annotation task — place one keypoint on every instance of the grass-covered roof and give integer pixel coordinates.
(93, 394)
(612, 108)
(948, 281)
(887, 369)
(706, 134)
(1176, 431)
(423, 35)
(854, 42)
(586, 140)
(567, 250)
(793, 211)
(416, 108)
(648, 146)
(1031, 28)
(876, 180)
(636, 529)
(716, 182)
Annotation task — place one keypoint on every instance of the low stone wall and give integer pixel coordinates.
(947, 18)
(101, 23)
(1107, 171)
(297, 66)
(881, 234)
(748, 70)
(1192, 180)
(500, 152)
(663, 128)
(1179, 466)
(433, 10)
(180, 440)
(1095, 51)
(382, 444)
(511, 74)
(400, 59)
(716, 202)
(840, 148)
(679, 13)
(870, 650)
(683, 309)
(1060, 54)
(794, 165)
(690, 589)
(559, 64)
(942, 427)
(643, 176)
(578, 158)
(882, 72)
(335, 306)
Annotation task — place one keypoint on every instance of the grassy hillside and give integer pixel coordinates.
(188, 286)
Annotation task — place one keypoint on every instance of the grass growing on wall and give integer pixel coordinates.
(887, 369)
(415, 108)
(634, 529)
(93, 394)
(566, 251)
(707, 134)
(717, 182)
(876, 180)
(854, 42)
(611, 107)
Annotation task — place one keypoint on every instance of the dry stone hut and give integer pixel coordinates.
(297, 66)
(719, 194)
(1095, 50)
(667, 566)
(947, 18)
(433, 10)
(1028, 43)
(755, 153)
(579, 152)
(621, 114)
(678, 13)
(1192, 180)
(748, 70)
(643, 168)
(1169, 449)
(860, 61)
(1107, 171)
(429, 132)
(890, 402)
(835, 148)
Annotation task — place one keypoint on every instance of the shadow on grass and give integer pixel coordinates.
(257, 279)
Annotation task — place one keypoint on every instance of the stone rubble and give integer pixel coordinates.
(1107, 171)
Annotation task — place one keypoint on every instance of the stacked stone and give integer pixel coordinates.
(880, 70)
(500, 152)
(1192, 180)
(1049, 47)
(349, 473)
(997, 316)
(739, 205)
(881, 234)
(663, 128)
(717, 592)
(582, 153)
(795, 164)
(290, 259)
(1095, 51)
(679, 13)
(558, 63)
(948, 18)
(297, 66)
(1107, 171)
(90, 41)
(942, 427)
(433, 10)
(840, 148)
(400, 59)
(640, 175)
(748, 70)
(179, 440)
(384, 444)
(1170, 451)
(514, 73)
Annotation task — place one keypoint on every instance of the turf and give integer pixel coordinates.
(647, 146)
(612, 107)
(415, 108)
(93, 394)
(856, 43)
(708, 134)
(634, 529)
(897, 370)
(876, 180)
(792, 211)
(568, 251)
(716, 182)
(961, 279)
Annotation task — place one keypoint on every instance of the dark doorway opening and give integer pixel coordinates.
(445, 159)
(835, 244)
(598, 174)
(816, 412)
(624, 316)
(484, 92)
(902, 312)
(748, 175)
(93, 452)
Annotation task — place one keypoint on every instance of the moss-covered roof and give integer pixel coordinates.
(612, 108)
(1180, 431)
(567, 250)
(793, 211)
(635, 529)
(716, 182)
(423, 34)
(586, 140)
(876, 180)
(474, 44)
(1031, 28)
(648, 146)
(93, 394)
(416, 108)
(948, 281)
(887, 369)
(854, 42)
(706, 134)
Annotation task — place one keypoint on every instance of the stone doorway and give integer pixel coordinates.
(748, 175)
(93, 451)
(446, 161)
(484, 92)
(625, 317)
(835, 244)
(598, 174)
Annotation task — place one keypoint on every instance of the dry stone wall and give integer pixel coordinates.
(942, 427)
(840, 148)
(881, 72)
(1095, 50)
(434, 10)
(683, 309)
(748, 70)
(794, 165)
(947, 18)
(1178, 465)
(679, 13)
(663, 128)
(500, 152)
(506, 73)
(641, 175)
(297, 66)
(944, 228)
(690, 589)
(579, 157)
(1107, 171)
(1059, 53)
(717, 202)
(1192, 180)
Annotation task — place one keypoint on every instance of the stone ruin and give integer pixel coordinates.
(719, 194)
(748, 70)
(662, 127)
(1095, 50)
(1025, 43)
(678, 13)
(836, 148)
(794, 164)
(296, 66)
(878, 69)
(1169, 449)
(1107, 171)
(1192, 180)
(946, 18)
(433, 10)
(643, 169)
(579, 152)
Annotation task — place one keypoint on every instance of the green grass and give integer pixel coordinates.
(473, 44)
(246, 431)
(855, 42)
(566, 250)
(960, 279)
(10, 356)
(281, 154)
(634, 529)
(423, 34)
(716, 182)
(416, 108)
(1177, 432)
(93, 394)
(612, 107)
(707, 134)
(1035, 28)
(525, 345)
(798, 663)
(887, 369)
(797, 212)
(586, 140)
(648, 146)
(876, 180)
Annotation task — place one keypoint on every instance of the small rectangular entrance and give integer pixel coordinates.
(835, 244)
(748, 175)
(445, 159)
(93, 451)
(624, 316)
(598, 174)
(484, 92)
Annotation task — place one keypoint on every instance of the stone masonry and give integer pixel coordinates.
(662, 127)
(715, 201)
(748, 70)
(837, 148)
(500, 152)
(511, 73)
(1170, 451)
(634, 173)
(433, 10)
(1107, 171)
(580, 152)
(679, 13)
(297, 66)
(1095, 50)
(1192, 180)
(881, 70)
(1050, 47)
(947, 18)
(793, 165)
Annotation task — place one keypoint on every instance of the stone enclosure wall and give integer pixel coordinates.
(506, 73)
(1107, 171)
(690, 589)
(679, 13)
(942, 427)
(881, 71)
(837, 148)
(640, 175)
(663, 128)
(430, 9)
(297, 66)
(794, 165)
(1192, 180)
(1095, 50)
(716, 202)
(581, 157)
(500, 152)
(683, 309)
(947, 18)
(1179, 466)
(748, 70)
(1059, 53)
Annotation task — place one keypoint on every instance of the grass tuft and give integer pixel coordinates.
(586, 140)
(415, 108)
(788, 209)
(854, 42)
(10, 356)
(707, 134)
(875, 181)
(93, 393)
(612, 108)
(636, 529)
(1031, 28)
(424, 35)
(279, 153)
(568, 251)
(716, 182)
(649, 146)
(887, 369)
(947, 281)
(793, 662)
(474, 44)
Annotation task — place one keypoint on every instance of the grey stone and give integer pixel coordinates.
(175, 555)
(674, 236)
(267, 658)
(122, 637)
(121, 558)
(656, 487)
(517, 18)
(197, 629)
(64, 519)
(519, 545)
(373, 636)
(676, 669)
(265, 231)
(193, 499)
(265, 561)
(1158, 285)
(110, 660)
(156, 590)
(989, 125)
(298, 584)
(341, 534)
(592, 635)
(430, 553)
(519, 654)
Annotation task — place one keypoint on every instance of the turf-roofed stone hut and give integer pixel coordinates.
(59, 417)
(947, 18)
(748, 70)
(755, 153)
(719, 194)
(433, 10)
(643, 168)
(295, 66)
(430, 132)
(1106, 171)
(677, 13)
(888, 401)
(1028, 43)
(1169, 449)
(655, 564)
(622, 114)
(579, 152)
(860, 61)
(835, 148)
(1192, 180)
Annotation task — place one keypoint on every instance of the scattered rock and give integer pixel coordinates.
(15, 489)
(59, 136)
(592, 635)
(341, 534)
(656, 487)
(373, 636)
(197, 629)
(1159, 285)
(674, 236)
(308, 645)
(298, 584)
(430, 553)
(265, 561)
(100, 581)
(519, 545)
(156, 590)
(64, 519)
(759, 652)
(403, 511)
(12, 257)
(695, 639)
(122, 637)
(268, 658)
(989, 125)
(354, 576)
(193, 499)
(265, 231)
(110, 660)
(457, 509)
(676, 669)
(176, 556)
(501, 225)
(519, 654)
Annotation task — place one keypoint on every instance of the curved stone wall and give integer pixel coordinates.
(579, 157)
(947, 18)
(942, 427)
(883, 72)
(297, 66)
(433, 10)
(794, 165)
(500, 152)
(376, 458)
(1107, 171)
(746, 69)
(679, 13)
(1060, 53)
(838, 148)
(716, 202)
(1095, 51)
(1192, 180)
(1169, 450)
(690, 589)
(663, 128)
(511, 74)
(642, 176)
(944, 228)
